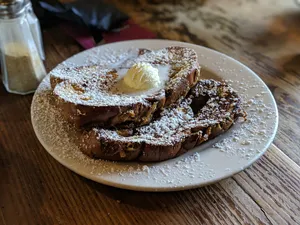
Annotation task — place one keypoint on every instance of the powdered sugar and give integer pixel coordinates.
(93, 85)
(254, 130)
(201, 166)
(176, 123)
(62, 137)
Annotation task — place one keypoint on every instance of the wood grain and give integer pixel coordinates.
(35, 189)
(264, 35)
(272, 182)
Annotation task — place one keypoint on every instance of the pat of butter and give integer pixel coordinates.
(142, 76)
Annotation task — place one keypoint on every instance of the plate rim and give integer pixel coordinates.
(172, 188)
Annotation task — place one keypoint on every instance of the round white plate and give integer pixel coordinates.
(220, 158)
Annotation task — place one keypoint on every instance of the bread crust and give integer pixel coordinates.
(186, 73)
(210, 108)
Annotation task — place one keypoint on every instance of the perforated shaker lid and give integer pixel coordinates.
(11, 8)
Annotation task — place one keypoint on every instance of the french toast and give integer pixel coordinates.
(209, 109)
(92, 95)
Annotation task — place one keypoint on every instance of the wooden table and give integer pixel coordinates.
(264, 35)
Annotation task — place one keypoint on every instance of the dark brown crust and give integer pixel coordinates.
(138, 113)
(109, 115)
(112, 149)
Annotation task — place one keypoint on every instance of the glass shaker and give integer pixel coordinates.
(21, 64)
(35, 28)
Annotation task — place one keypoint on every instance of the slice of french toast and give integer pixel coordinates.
(209, 109)
(93, 95)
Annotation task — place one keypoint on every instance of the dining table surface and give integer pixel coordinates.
(262, 34)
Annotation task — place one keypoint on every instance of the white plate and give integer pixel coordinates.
(220, 158)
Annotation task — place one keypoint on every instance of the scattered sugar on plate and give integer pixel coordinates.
(59, 137)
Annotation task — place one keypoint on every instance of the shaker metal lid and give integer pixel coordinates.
(11, 8)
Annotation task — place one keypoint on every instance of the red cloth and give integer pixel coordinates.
(130, 31)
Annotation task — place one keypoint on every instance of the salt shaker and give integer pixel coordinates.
(35, 28)
(21, 64)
